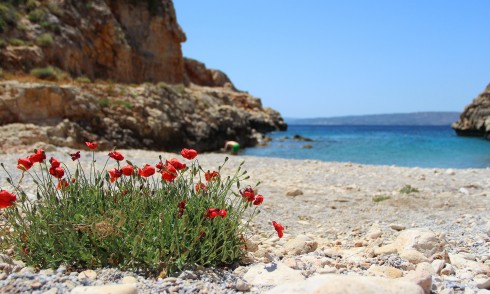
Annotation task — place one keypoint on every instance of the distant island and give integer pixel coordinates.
(394, 119)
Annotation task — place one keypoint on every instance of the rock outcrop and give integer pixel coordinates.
(475, 119)
(160, 117)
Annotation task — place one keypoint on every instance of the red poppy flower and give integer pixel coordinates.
(127, 170)
(279, 228)
(176, 163)
(54, 162)
(57, 172)
(75, 156)
(92, 145)
(168, 177)
(258, 200)
(248, 193)
(62, 184)
(24, 164)
(181, 207)
(147, 171)
(159, 166)
(116, 155)
(201, 186)
(73, 180)
(222, 213)
(212, 213)
(115, 174)
(211, 176)
(7, 199)
(39, 156)
(188, 153)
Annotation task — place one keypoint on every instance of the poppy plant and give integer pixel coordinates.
(147, 171)
(188, 153)
(258, 200)
(170, 173)
(127, 170)
(7, 199)
(75, 156)
(211, 176)
(181, 207)
(24, 164)
(38, 156)
(279, 228)
(62, 184)
(248, 194)
(54, 162)
(115, 174)
(212, 213)
(116, 155)
(57, 172)
(176, 163)
(201, 186)
(92, 145)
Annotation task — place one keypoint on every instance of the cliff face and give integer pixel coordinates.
(123, 40)
(181, 103)
(475, 119)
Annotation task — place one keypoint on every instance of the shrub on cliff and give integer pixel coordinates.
(157, 219)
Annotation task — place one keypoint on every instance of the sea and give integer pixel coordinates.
(408, 146)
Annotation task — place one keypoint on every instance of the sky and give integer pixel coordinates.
(322, 58)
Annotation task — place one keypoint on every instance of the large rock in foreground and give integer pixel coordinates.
(475, 119)
(148, 116)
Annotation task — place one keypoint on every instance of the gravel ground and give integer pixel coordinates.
(335, 206)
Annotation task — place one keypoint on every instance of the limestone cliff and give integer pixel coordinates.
(118, 77)
(475, 119)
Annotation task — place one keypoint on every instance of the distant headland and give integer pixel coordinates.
(395, 119)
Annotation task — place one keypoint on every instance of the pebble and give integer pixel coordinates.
(397, 227)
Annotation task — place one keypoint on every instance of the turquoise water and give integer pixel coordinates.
(411, 146)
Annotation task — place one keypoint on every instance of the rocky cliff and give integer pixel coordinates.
(475, 119)
(118, 76)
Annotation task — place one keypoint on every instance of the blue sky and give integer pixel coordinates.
(317, 58)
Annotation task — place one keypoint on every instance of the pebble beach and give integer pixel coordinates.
(349, 228)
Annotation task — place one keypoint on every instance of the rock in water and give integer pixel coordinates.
(475, 119)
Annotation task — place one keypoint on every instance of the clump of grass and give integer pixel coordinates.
(8, 16)
(44, 40)
(380, 198)
(104, 102)
(49, 73)
(83, 80)
(156, 220)
(36, 15)
(17, 42)
(407, 189)
(124, 103)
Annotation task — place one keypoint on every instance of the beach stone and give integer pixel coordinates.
(447, 270)
(414, 256)
(385, 250)
(36, 285)
(344, 284)
(302, 244)
(129, 280)
(483, 283)
(422, 276)
(88, 274)
(251, 246)
(438, 265)
(243, 286)
(460, 262)
(385, 271)
(271, 274)
(294, 192)
(108, 289)
(3, 276)
(424, 241)
(51, 291)
(397, 227)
